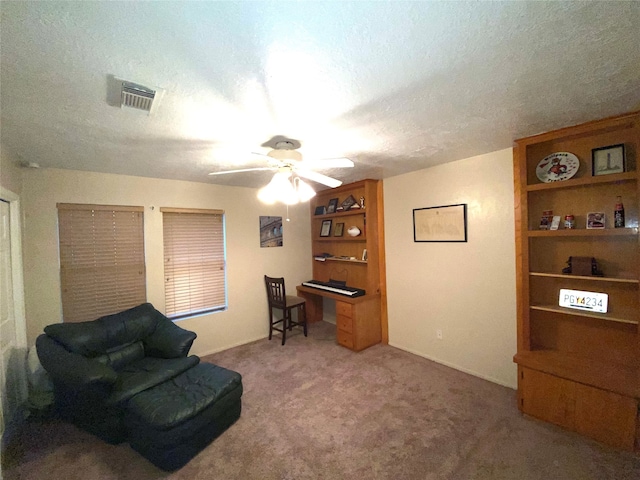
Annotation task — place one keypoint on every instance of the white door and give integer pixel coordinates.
(12, 351)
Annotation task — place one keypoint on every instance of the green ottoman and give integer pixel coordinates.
(170, 423)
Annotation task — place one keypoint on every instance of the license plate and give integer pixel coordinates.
(592, 301)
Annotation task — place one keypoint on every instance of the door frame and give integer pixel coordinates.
(15, 229)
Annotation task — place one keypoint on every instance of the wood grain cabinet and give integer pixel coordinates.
(361, 321)
(357, 325)
(344, 324)
(576, 368)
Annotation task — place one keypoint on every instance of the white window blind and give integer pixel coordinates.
(102, 269)
(194, 261)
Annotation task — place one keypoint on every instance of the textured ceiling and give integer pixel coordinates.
(396, 86)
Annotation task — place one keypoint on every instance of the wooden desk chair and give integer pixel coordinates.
(278, 299)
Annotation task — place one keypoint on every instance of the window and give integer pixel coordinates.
(102, 269)
(194, 261)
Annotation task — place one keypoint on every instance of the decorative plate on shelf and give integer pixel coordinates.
(557, 167)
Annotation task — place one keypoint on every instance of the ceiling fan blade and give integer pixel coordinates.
(257, 169)
(328, 163)
(318, 177)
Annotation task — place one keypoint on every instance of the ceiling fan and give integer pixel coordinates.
(287, 185)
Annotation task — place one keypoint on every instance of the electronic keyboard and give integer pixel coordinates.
(335, 288)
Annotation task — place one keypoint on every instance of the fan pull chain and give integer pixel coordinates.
(288, 220)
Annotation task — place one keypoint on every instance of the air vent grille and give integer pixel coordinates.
(137, 96)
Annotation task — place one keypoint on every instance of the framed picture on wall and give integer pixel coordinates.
(440, 224)
(339, 230)
(270, 232)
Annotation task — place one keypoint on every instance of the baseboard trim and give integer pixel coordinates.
(456, 367)
(227, 347)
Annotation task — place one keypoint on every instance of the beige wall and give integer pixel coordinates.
(467, 290)
(246, 318)
(10, 173)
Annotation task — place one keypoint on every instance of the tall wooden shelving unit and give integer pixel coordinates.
(362, 321)
(578, 369)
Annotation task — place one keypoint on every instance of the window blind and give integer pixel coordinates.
(194, 261)
(102, 266)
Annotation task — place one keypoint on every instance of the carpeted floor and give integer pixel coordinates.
(314, 410)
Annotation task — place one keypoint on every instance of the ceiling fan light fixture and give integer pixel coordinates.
(279, 189)
(286, 188)
(303, 189)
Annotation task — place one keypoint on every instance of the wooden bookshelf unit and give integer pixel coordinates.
(361, 321)
(576, 368)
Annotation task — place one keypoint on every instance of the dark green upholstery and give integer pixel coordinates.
(97, 366)
(127, 376)
(159, 335)
(176, 429)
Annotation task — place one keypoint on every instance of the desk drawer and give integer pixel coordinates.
(344, 323)
(345, 339)
(345, 309)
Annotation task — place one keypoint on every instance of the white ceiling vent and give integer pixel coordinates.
(137, 96)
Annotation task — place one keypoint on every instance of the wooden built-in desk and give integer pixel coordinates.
(357, 319)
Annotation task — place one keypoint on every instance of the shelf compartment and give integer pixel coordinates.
(620, 318)
(581, 140)
(578, 201)
(353, 273)
(617, 255)
(583, 336)
(587, 180)
(359, 238)
(357, 221)
(348, 213)
(623, 297)
(614, 377)
(583, 232)
(584, 277)
(329, 259)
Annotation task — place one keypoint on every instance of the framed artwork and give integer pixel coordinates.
(339, 230)
(333, 204)
(270, 232)
(440, 224)
(326, 228)
(607, 160)
(320, 210)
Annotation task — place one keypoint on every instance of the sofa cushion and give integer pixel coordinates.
(119, 357)
(72, 369)
(168, 340)
(146, 373)
(97, 337)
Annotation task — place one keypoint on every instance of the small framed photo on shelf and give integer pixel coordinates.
(347, 203)
(326, 228)
(595, 220)
(333, 204)
(320, 210)
(607, 160)
(339, 230)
